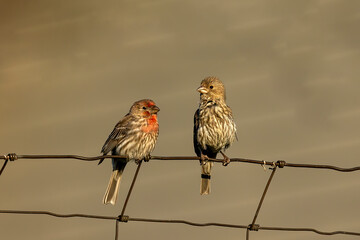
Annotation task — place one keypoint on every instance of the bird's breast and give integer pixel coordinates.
(216, 128)
(152, 125)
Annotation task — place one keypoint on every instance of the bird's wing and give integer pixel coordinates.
(120, 131)
(232, 118)
(195, 140)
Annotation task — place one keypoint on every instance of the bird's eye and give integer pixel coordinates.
(211, 87)
(144, 108)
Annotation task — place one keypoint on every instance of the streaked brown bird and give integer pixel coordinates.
(134, 136)
(214, 127)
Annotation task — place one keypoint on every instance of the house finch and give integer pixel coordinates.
(134, 136)
(214, 127)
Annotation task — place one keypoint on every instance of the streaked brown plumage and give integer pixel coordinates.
(134, 136)
(214, 127)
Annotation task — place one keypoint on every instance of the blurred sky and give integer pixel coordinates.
(69, 70)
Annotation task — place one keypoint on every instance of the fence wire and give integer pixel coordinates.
(279, 163)
(125, 218)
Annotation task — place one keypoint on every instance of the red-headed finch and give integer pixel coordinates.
(214, 127)
(134, 136)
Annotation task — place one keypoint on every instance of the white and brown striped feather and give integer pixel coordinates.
(216, 128)
(129, 140)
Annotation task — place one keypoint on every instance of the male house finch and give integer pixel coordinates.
(134, 136)
(214, 127)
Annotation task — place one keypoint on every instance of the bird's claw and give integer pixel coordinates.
(203, 159)
(226, 159)
(147, 159)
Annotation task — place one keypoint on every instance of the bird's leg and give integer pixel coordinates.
(137, 161)
(203, 159)
(147, 158)
(226, 160)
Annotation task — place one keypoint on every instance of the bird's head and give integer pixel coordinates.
(211, 88)
(144, 108)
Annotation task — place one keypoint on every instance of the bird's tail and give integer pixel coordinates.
(205, 178)
(114, 183)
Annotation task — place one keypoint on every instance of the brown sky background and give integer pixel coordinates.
(69, 70)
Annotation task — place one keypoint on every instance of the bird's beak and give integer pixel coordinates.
(155, 109)
(202, 90)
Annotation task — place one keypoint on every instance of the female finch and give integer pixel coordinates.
(134, 136)
(214, 127)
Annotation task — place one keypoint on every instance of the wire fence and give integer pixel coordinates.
(125, 218)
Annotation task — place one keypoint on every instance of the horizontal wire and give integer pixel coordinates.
(300, 165)
(58, 214)
(177, 221)
(310, 230)
(279, 163)
(187, 223)
(251, 227)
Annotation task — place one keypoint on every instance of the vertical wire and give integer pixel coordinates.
(130, 189)
(116, 229)
(263, 196)
(3, 167)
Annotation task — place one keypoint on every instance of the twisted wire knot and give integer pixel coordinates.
(281, 163)
(7, 158)
(11, 157)
(123, 218)
(254, 227)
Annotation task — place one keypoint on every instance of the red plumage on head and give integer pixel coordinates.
(150, 103)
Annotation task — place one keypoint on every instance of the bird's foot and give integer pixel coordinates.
(203, 159)
(137, 161)
(226, 159)
(146, 159)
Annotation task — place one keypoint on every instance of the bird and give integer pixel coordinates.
(134, 137)
(214, 128)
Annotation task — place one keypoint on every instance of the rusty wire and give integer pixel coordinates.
(59, 215)
(134, 219)
(125, 218)
(262, 198)
(280, 163)
(130, 189)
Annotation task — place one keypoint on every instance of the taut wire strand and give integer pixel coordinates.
(177, 221)
(279, 163)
